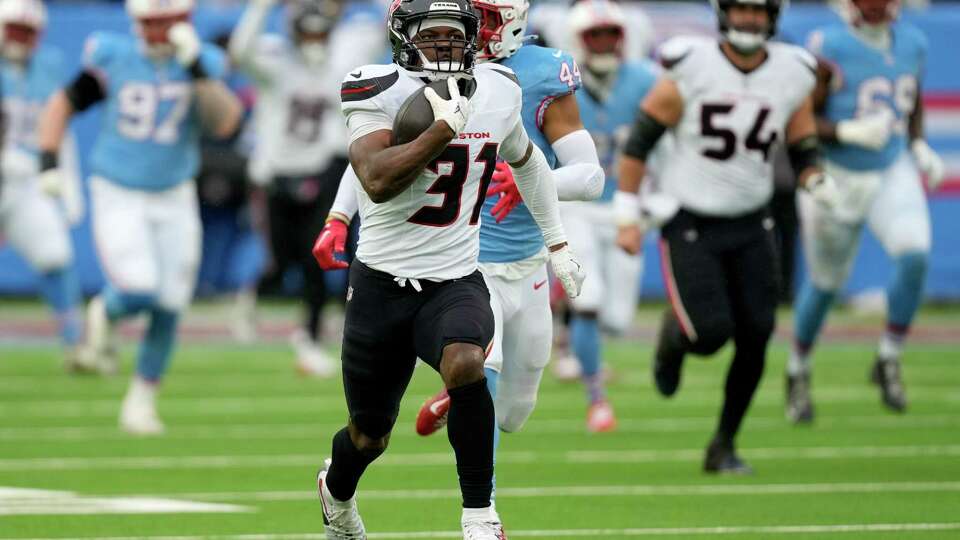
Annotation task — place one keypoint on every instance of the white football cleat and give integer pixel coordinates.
(482, 524)
(101, 346)
(78, 360)
(311, 358)
(138, 414)
(341, 520)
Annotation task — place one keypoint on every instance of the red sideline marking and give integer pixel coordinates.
(949, 187)
(944, 100)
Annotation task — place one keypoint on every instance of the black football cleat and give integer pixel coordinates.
(886, 374)
(668, 358)
(721, 458)
(799, 406)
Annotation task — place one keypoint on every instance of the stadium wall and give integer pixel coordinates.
(71, 23)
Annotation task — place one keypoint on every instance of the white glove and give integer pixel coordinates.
(567, 270)
(871, 132)
(454, 111)
(51, 182)
(928, 162)
(823, 189)
(186, 43)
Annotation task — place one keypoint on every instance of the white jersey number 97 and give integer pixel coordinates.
(139, 110)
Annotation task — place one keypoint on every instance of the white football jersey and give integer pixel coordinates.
(298, 126)
(721, 163)
(431, 230)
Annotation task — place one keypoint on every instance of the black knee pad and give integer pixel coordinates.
(374, 426)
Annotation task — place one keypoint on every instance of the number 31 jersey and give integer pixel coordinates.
(150, 130)
(430, 230)
(722, 160)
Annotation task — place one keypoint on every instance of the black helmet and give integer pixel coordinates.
(747, 41)
(312, 17)
(406, 17)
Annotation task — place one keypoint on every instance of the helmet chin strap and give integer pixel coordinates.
(745, 42)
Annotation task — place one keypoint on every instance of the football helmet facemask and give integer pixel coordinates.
(433, 58)
(593, 23)
(748, 40)
(152, 20)
(21, 23)
(310, 23)
(503, 24)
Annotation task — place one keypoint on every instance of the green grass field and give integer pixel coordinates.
(246, 435)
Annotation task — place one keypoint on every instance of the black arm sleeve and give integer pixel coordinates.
(84, 91)
(804, 153)
(644, 136)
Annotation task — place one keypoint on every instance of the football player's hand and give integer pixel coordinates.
(871, 132)
(331, 243)
(186, 43)
(454, 111)
(630, 238)
(502, 184)
(567, 269)
(929, 163)
(823, 189)
(50, 178)
(51, 182)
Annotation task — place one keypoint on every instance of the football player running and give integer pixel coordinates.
(159, 88)
(613, 89)
(31, 216)
(299, 156)
(512, 255)
(870, 115)
(415, 290)
(727, 104)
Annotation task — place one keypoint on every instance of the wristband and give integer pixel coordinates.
(48, 160)
(626, 208)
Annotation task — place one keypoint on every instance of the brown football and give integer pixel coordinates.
(416, 115)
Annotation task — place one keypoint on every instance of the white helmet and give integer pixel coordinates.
(31, 18)
(149, 9)
(503, 24)
(144, 10)
(588, 15)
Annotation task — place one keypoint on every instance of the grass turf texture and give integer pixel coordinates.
(244, 429)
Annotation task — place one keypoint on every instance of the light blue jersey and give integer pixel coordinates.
(150, 131)
(25, 92)
(866, 79)
(545, 74)
(609, 122)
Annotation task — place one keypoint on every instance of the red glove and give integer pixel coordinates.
(502, 183)
(330, 243)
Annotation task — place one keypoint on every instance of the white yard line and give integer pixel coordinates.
(445, 458)
(588, 491)
(571, 425)
(214, 406)
(583, 533)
